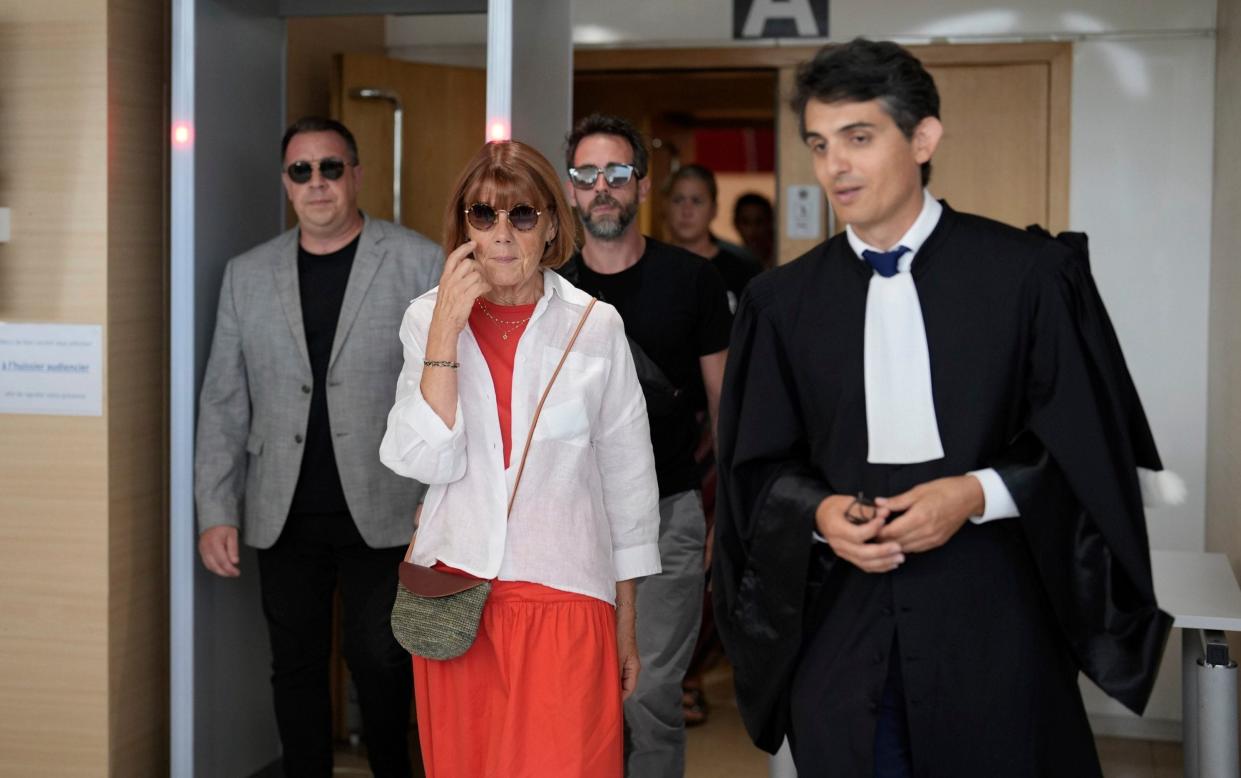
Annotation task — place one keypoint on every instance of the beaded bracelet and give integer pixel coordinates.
(440, 363)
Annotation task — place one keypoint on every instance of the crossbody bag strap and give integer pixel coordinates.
(539, 408)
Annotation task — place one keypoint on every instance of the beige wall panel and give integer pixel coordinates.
(83, 681)
(53, 531)
(53, 660)
(52, 168)
(1223, 521)
(136, 397)
(138, 632)
(73, 12)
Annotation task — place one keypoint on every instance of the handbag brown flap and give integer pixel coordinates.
(426, 582)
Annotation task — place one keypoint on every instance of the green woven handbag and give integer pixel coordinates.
(436, 614)
(441, 620)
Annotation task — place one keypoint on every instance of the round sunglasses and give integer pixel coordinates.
(330, 168)
(483, 217)
(615, 175)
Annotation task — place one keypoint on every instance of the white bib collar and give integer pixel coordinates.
(900, 407)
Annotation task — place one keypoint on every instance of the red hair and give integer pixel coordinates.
(503, 174)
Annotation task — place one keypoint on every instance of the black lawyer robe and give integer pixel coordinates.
(994, 624)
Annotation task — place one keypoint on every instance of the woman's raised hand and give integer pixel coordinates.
(460, 285)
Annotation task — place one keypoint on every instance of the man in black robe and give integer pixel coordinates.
(953, 370)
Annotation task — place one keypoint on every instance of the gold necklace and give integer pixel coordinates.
(501, 323)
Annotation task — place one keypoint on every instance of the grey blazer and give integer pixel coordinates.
(255, 402)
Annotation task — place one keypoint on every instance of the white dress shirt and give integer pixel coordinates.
(587, 511)
(900, 407)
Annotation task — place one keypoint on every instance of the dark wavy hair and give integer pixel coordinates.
(756, 199)
(320, 124)
(604, 124)
(863, 70)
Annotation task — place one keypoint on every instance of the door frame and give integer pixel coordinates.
(791, 169)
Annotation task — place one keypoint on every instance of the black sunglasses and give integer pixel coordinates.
(330, 168)
(483, 217)
(615, 175)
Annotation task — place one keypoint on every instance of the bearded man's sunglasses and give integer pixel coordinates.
(615, 175)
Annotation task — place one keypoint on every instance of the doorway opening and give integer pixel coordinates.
(723, 120)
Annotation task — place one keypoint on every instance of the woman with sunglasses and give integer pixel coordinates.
(539, 691)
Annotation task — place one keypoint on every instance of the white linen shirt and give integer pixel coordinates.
(587, 512)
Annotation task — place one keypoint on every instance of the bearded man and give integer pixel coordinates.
(675, 310)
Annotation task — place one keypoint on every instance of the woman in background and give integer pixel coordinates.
(690, 208)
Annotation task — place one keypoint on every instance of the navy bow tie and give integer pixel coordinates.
(884, 262)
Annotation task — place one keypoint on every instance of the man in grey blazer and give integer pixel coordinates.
(302, 372)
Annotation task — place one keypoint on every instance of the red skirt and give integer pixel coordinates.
(538, 694)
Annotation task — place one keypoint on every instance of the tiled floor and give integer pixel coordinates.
(721, 749)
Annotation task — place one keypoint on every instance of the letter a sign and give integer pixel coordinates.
(779, 19)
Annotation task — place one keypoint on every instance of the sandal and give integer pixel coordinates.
(694, 706)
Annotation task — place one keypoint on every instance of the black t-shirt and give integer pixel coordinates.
(321, 279)
(675, 309)
(736, 268)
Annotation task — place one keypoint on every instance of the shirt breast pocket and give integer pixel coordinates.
(573, 403)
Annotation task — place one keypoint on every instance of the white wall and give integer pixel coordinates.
(1141, 188)
(1141, 179)
(1141, 172)
(451, 39)
(1031, 18)
(658, 22)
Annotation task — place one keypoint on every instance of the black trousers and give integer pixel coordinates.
(298, 576)
(892, 755)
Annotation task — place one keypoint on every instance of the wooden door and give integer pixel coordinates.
(668, 107)
(1005, 107)
(444, 125)
(1004, 153)
(995, 158)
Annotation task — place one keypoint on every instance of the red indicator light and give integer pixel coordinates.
(182, 135)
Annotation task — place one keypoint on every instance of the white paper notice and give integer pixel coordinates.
(805, 204)
(52, 369)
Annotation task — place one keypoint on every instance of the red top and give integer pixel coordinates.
(498, 341)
